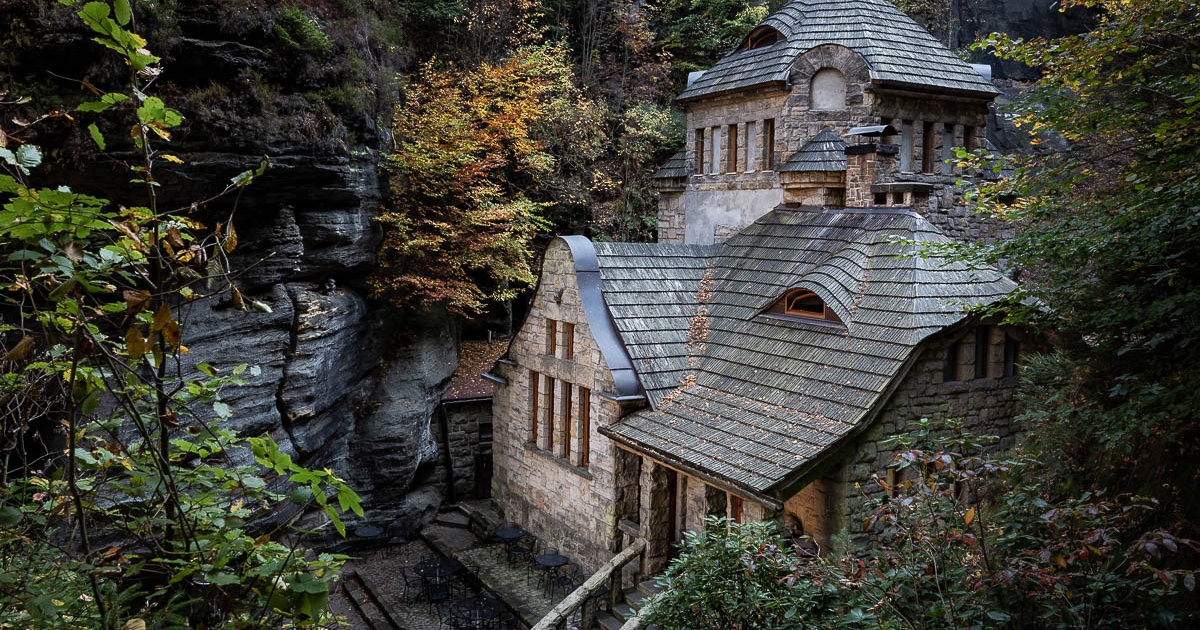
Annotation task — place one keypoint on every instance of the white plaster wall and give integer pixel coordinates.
(708, 209)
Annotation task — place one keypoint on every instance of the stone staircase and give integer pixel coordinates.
(620, 613)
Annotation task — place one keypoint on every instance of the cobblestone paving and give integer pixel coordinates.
(381, 569)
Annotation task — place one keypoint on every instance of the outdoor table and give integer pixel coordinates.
(437, 571)
(550, 563)
(510, 535)
(436, 568)
(477, 610)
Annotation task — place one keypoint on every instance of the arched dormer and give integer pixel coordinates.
(803, 303)
(827, 90)
(762, 37)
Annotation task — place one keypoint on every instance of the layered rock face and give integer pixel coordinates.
(343, 382)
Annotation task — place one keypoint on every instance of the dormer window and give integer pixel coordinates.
(806, 304)
(762, 37)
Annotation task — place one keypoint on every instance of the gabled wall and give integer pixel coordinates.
(570, 506)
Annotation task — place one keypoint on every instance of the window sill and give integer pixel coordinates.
(807, 321)
(565, 463)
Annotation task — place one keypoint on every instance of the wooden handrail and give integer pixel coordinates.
(581, 595)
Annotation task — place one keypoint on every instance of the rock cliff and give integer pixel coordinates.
(344, 382)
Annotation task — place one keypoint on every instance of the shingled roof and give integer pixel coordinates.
(770, 394)
(650, 290)
(824, 153)
(896, 49)
(674, 167)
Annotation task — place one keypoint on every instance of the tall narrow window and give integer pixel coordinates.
(768, 148)
(906, 146)
(928, 136)
(751, 151)
(534, 381)
(732, 150)
(548, 402)
(699, 151)
(564, 342)
(564, 441)
(551, 337)
(714, 138)
(585, 427)
(944, 165)
(1012, 354)
(950, 364)
(969, 138)
(982, 334)
(735, 508)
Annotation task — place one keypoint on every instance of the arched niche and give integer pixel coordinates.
(827, 90)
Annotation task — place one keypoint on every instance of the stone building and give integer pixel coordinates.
(752, 363)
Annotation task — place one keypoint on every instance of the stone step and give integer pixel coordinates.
(609, 622)
(649, 588)
(454, 518)
(634, 598)
(623, 611)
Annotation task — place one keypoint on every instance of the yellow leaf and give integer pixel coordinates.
(135, 301)
(238, 302)
(161, 317)
(19, 351)
(135, 343)
(134, 624)
(230, 239)
(174, 159)
(171, 334)
(969, 517)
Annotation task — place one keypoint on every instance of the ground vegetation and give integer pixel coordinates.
(124, 502)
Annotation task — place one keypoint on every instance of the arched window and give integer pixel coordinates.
(762, 37)
(804, 303)
(827, 90)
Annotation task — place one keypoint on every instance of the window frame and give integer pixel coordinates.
(783, 308)
(768, 148)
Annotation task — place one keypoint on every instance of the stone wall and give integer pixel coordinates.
(465, 443)
(800, 122)
(986, 405)
(570, 506)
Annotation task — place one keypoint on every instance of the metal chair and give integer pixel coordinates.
(567, 579)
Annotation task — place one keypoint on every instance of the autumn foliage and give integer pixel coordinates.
(460, 219)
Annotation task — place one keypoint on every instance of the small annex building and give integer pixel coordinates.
(754, 361)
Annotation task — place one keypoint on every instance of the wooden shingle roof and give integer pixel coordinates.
(650, 291)
(674, 167)
(825, 152)
(772, 393)
(896, 49)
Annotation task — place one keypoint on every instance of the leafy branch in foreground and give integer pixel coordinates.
(964, 541)
(123, 498)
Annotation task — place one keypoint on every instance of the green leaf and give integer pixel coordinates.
(121, 8)
(29, 156)
(223, 579)
(9, 516)
(97, 137)
(42, 607)
(105, 102)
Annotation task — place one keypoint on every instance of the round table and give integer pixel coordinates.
(477, 610)
(550, 563)
(509, 535)
(437, 567)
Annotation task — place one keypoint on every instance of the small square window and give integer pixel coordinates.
(881, 199)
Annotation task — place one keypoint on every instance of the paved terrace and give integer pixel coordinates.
(373, 583)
